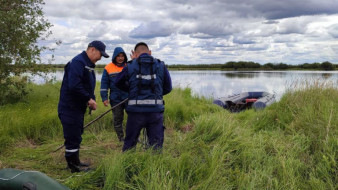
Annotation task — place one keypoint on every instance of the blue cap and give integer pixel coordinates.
(99, 46)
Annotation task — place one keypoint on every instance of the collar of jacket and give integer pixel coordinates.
(144, 54)
(88, 61)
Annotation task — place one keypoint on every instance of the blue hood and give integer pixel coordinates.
(117, 51)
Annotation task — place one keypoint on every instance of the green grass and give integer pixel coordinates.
(292, 144)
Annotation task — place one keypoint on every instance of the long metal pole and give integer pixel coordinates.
(88, 124)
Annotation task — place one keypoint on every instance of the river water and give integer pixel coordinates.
(215, 84)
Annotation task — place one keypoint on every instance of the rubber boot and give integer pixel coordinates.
(71, 163)
(78, 162)
(74, 164)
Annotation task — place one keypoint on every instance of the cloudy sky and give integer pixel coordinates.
(199, 31)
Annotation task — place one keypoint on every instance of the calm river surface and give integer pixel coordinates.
(215, 84)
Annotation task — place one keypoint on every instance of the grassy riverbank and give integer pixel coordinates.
(290, 145)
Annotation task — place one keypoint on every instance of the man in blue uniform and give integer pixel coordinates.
(146, 80)
(76, 94)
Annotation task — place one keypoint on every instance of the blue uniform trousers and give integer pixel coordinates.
(153, 122)
(72, 131)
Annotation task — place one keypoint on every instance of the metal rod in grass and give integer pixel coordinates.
(98, 117)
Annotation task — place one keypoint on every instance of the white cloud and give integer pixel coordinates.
(197, 31)
(333, 30)
(152, 30)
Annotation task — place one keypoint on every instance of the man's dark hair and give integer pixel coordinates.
(140, 44)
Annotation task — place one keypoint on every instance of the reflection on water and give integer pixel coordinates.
(326, 75)
(241, 75)
(217, 84)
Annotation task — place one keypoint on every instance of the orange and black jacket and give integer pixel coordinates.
(107, 84)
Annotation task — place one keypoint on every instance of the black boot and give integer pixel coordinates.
(71, 163)
(74, 164)
(78, 162)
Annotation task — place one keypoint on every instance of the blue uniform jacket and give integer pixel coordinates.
(78, 85)
(108, 78)
(122, 81)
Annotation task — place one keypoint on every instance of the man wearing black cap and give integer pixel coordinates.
(76, 94)
(147, 80)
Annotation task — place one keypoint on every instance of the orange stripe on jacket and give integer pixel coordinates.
(112, 68)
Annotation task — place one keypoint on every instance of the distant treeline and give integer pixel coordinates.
(233, 65)
(252, 65)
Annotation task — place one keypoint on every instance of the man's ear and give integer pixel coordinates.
(92, 49)
(149, 52)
